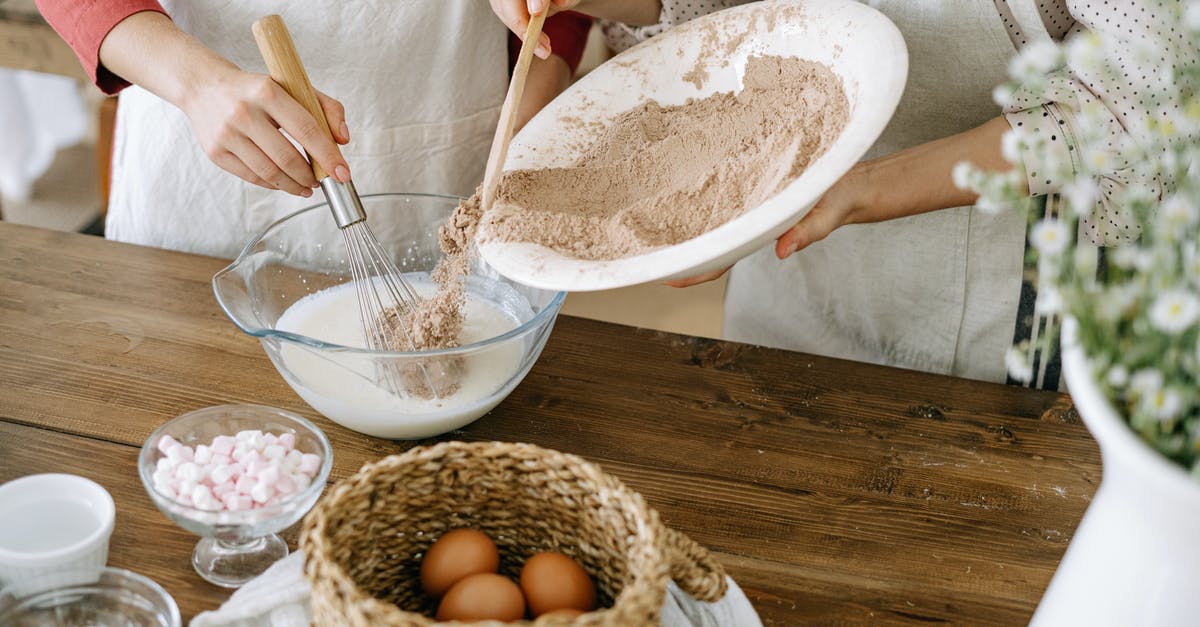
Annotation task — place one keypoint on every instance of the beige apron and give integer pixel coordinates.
(936, 292)
(422, 82)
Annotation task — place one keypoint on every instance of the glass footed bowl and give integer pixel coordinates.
(303, 254)
(236, 546)
(87, 597)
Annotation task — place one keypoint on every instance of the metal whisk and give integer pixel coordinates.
(382, 289)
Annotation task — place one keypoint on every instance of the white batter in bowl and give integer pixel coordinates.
(291, 289)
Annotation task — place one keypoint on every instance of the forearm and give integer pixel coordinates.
(632, 12)
(148, 50)
(546, 80)
(919, 179)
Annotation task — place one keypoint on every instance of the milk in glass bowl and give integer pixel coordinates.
(291, 288)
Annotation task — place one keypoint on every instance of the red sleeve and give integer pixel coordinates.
(568, 33)
(85, 23)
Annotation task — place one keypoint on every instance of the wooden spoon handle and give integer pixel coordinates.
(275, 44)
(508, 113)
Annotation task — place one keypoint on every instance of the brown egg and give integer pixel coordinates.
(553, 581)
(455, 555)
(562, 613)
(483, 596)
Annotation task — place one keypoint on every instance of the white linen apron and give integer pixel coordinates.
(422, 82)
(936, 292)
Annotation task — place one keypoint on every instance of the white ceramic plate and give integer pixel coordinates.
(858, 44)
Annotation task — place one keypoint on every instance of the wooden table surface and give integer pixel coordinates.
(28, 43)
(834, 492)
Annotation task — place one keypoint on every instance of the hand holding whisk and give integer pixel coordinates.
(386, 300)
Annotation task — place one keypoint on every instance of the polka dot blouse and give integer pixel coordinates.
(1126, 101)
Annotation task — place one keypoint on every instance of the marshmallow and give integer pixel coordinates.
(291, 461)
(166, 443)
(285, 485)
(255, 468)
(179, 453)
(221, 474)
(273, 452)
(249, 458)
(223, 445)
(269, 474)
(245, 471)
(261, 492)
(189, 471)
(244, 484)
(310, 464)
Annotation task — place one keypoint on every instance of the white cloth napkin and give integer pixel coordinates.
(279, 598)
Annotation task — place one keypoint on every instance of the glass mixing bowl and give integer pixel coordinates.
(303, 255)
(82, 598)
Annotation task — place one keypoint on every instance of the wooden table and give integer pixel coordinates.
(835, 492)
(28, 43)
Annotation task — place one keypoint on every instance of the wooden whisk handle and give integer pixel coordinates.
(275, 45)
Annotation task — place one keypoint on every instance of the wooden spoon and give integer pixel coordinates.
(508, 113)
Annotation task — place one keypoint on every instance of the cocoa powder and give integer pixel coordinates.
(657, 176)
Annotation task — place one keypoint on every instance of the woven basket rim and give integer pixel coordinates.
(649, 564)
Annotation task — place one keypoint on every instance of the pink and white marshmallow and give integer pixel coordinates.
(244, 471)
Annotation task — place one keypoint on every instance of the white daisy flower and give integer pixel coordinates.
(1174, 311)
(1049, 300)
(1098, 159)
(1191, 264)
(1017, 362)
(1035, 61)
(1003, 95)
(1116, 301)
(1191, 15)
(1118, 376)
(961, 175)
(1081, 195)
(1146, 382)
(1010, 146)
(1179, 211)
(989, 204)
(1050, 236)
(1126, 257)
(1085, 51)
(1165, 404)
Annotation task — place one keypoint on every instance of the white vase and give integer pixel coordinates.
(1135, 558)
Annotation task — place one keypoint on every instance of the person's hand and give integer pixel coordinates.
(515, 14)
(238, 118)
(841, 205)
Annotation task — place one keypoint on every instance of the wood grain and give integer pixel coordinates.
(508, 111)
(29, 44)
(834, 492)
(279, 52)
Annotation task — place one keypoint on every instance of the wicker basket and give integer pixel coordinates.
(364, 541)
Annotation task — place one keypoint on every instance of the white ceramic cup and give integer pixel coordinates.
(49, 523)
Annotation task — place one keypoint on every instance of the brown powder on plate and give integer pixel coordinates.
(659, 176)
